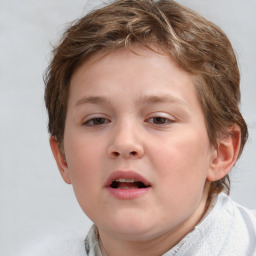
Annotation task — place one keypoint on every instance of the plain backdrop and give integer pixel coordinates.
(34, 201)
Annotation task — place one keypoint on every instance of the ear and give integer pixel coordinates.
(60, 160)
(225, 155)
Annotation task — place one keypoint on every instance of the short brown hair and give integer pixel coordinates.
(197, 45)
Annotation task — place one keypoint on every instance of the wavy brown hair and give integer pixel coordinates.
(197, 45)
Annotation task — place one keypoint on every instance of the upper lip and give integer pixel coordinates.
(119, 174)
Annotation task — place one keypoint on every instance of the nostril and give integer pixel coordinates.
(116, 153)
(133, 153)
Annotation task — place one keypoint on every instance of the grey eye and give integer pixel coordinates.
(159, 120)
(96, 121)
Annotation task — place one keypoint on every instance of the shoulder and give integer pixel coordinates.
(243, 219)
(241, 231)
(57, 245)
(241, 214)
(245, 213)
(246, 217)
(229, 229)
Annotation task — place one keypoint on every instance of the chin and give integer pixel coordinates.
(131, 228)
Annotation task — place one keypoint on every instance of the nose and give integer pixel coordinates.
(126, 143)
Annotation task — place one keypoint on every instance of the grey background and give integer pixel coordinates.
(34, 201)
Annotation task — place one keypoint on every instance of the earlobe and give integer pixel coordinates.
(225, 155)
(60, 160)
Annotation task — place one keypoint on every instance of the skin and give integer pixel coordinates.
(151, 122)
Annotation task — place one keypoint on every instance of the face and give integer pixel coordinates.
(136, 144)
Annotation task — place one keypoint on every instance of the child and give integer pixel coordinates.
(142, 98)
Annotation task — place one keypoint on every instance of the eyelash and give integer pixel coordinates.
(92, 122)
(99, 121)
(160, 120)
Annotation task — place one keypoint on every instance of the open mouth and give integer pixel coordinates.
(127, 185)
(127, 180)
(122, 183)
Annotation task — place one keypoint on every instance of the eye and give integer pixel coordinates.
(159, 120)
(96, 121)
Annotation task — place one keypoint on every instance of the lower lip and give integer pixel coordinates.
(128, 194)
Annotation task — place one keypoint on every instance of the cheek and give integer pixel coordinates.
(83, 165)
(85, 181)
(82, 151)
(182, 175)
(183, 161)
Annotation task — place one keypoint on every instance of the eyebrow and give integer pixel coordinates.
(151, 99)
(92, 100)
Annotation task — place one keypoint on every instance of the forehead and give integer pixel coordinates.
(130, 69)
(135, 52)
(124, 57)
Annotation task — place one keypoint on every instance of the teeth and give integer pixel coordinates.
(129, 187)
(125, 180)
